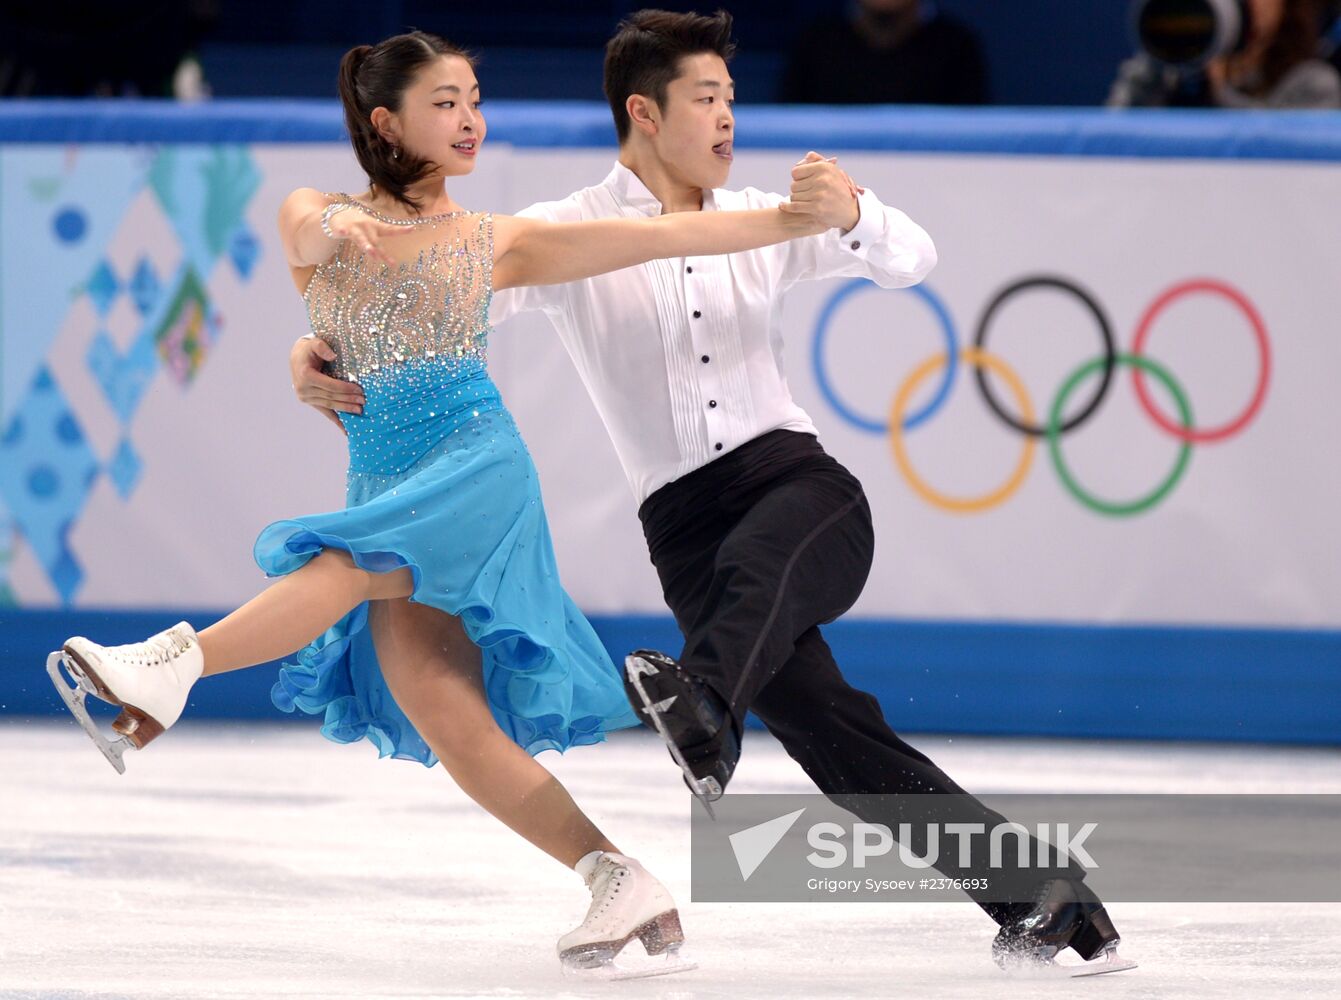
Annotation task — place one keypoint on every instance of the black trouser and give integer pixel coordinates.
(755, 551)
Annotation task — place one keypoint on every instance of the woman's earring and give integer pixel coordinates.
(395, 152)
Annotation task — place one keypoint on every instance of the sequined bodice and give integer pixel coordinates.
(432, 305)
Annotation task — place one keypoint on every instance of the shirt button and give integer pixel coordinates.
(697, 314)
(705, 359)
(689, 270)
(712, 404)
(718, 446)
(855, 244)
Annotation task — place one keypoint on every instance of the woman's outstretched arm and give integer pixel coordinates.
(532, 252)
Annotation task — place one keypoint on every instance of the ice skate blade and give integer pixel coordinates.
(74, 695)
(609, 967)
(1045, 967)
(706, 790)
(1107, 962)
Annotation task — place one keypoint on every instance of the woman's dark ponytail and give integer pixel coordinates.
(376, 76)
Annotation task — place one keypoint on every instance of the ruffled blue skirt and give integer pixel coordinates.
(441, 482)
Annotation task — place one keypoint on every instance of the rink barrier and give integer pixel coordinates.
(990, 678)
(1185, 682)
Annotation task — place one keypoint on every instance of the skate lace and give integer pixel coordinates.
(158, 649)
(606, 881)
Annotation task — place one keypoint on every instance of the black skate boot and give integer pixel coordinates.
(689, 715)
(1064, 913)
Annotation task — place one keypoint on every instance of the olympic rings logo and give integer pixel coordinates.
(1026, 420)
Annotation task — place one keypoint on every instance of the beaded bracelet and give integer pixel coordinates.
(331, 209)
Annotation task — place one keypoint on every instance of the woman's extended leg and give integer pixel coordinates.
(434, 673)
(287, 615)
(150, 680)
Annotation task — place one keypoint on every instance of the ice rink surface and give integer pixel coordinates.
(263, 861)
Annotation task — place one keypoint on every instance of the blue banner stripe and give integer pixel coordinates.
(1178, 134)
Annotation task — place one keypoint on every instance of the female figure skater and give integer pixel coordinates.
(441, 630)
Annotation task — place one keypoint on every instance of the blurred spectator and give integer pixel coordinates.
(1331, 35)
(1279, 67)
(82, 48)
(887, 52)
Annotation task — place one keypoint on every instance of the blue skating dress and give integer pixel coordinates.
(439, 481)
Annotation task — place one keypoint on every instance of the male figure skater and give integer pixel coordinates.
(757, 534)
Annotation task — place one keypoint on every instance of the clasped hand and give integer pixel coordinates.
(822, 189)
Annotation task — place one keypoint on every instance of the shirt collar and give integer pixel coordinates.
(629, 188)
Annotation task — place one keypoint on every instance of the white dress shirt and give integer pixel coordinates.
(683, 357)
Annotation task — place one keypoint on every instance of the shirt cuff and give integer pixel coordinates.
(861, 237)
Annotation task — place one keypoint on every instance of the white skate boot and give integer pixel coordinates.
(626, 902)
(149, 680)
